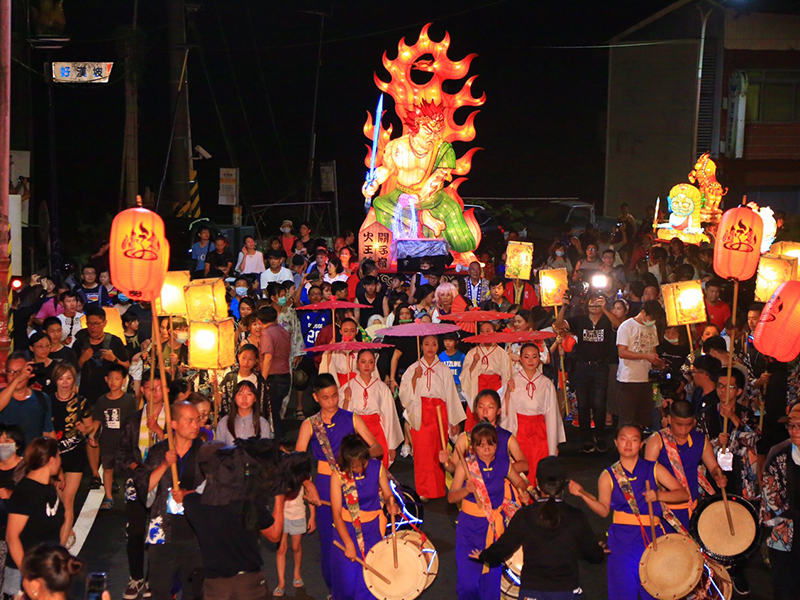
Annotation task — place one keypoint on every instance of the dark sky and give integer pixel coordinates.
(541, 127)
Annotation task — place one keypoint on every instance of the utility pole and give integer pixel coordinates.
(131, 49)
(312, 149)
(180, 162)
(5, 166)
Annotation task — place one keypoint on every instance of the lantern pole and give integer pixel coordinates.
(154, 342)
(167, 411)
(730, 355)
(217, 399)
(691, 341)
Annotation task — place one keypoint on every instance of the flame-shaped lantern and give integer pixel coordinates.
(778, 331)
(212, 345)
(138, 253)
(738, 245)
(684, 303)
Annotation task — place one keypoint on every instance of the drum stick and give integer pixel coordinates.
(727, 511)
(394, 543)
(441, 427)
(467, 474)
(363, 564)
(652, 520)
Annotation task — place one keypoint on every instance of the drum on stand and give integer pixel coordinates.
(428, 550)
(512, 570)
(408, 580)
(674, 569)
(411, 508)
(715, 584)
(709, 527)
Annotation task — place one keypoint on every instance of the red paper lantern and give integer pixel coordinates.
(778, 330)
(738, 245)
(138, 253)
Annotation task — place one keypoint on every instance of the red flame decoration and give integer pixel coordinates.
(740, 238)
(141, 245)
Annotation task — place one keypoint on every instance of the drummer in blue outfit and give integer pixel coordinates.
(623, 489)
(682, 450)
(371, 482)
(325, 432)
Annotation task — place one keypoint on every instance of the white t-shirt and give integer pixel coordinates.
(637, 338)
(268, 277)
(69, 327)
(253, 263)
(295, 508)
(251, 378)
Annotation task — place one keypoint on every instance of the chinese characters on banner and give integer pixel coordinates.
(375, 243)
(82, 72)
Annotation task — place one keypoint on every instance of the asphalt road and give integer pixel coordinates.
(104, 549)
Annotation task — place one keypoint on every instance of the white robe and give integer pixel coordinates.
(338, 363)
(496, 362)
(378, 401)
(544, 402)
(436, 383)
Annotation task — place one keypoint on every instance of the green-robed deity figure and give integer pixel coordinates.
(415, 167)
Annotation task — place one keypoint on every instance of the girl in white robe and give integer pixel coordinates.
(486, 367)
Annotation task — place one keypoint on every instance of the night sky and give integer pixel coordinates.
(542, 126)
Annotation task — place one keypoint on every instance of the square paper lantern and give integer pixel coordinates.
(171, 300)
(519, 260)
(790, 249)
(553, 284)
(205, 300)
(113, 323)
(684, 303)
(212, 344)
(773, 271)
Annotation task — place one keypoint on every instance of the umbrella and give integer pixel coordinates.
(332, 305)
(477, 316)
(510, 337)
(347, 346)
(418, 330)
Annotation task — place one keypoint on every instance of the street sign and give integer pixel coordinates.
(228, 186)
(82, 72)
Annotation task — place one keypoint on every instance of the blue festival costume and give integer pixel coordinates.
(340, 426)
(691, 454)
(626, 542)
(472, 530)
(348, 577)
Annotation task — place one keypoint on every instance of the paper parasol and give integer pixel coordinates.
(332, 305)
(476, 316)
(510, 337)
(347, 347)
(418, 329)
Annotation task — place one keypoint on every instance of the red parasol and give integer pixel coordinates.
(477, 316)
(510, 337)
(418, 329)
(347, 347)
(332, 305)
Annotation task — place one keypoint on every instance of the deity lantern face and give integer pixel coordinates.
(682, 205)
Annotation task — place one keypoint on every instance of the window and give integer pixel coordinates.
(773, 97)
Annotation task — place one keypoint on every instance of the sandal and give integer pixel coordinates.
(278, 592)
(298, 583)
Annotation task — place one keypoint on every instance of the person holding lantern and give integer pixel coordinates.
(531, 411)
(487, 366)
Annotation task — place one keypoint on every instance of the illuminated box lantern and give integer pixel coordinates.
(519, 260)
(773, 271)
(684, 303)
(171, 301)
(205, 300)
(212, 344)
(791, 249)
(138, 253)
(778, 331)
(375, 243)
(738, 244)
(113, 323)
(553, 284)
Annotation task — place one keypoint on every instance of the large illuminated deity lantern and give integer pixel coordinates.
(414, 198)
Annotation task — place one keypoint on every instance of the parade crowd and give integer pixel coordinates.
(481, 422)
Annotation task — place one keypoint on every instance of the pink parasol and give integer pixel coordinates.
(477, 316)
(332, 305)
(347, 347)
(418, 329)
(510, 337)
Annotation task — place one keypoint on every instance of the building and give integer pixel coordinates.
(746, 112)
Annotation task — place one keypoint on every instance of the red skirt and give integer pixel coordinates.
(485, 382)
(373, 423)
(428, 472)
(532, 438)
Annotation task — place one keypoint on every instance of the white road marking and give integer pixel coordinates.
(85, 520)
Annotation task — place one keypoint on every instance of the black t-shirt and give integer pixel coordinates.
(43, 378)
(40, 503)
(187, 465)
(66, 416)
(594, 341)
(66, 354)
(145, 317)
(112, 414)
(94, 370)
(226, 547)
(7, 482)
(376, 308)
(215, 260)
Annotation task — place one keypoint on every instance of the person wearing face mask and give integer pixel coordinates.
(558, 258)
(287, 237)
(637, 339)
(176, 350)
(280, 298)
(241, 288)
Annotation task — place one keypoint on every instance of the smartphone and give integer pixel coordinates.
(96, 584)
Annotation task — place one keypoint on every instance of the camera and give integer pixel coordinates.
(660, 376)
(202, 151)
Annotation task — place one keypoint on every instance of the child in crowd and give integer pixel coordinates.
(109, 412)
(203, 406)
(246, 420)
(454, 359)
(248, 362)
(58, 351)
(295, 523)
(136, 349)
